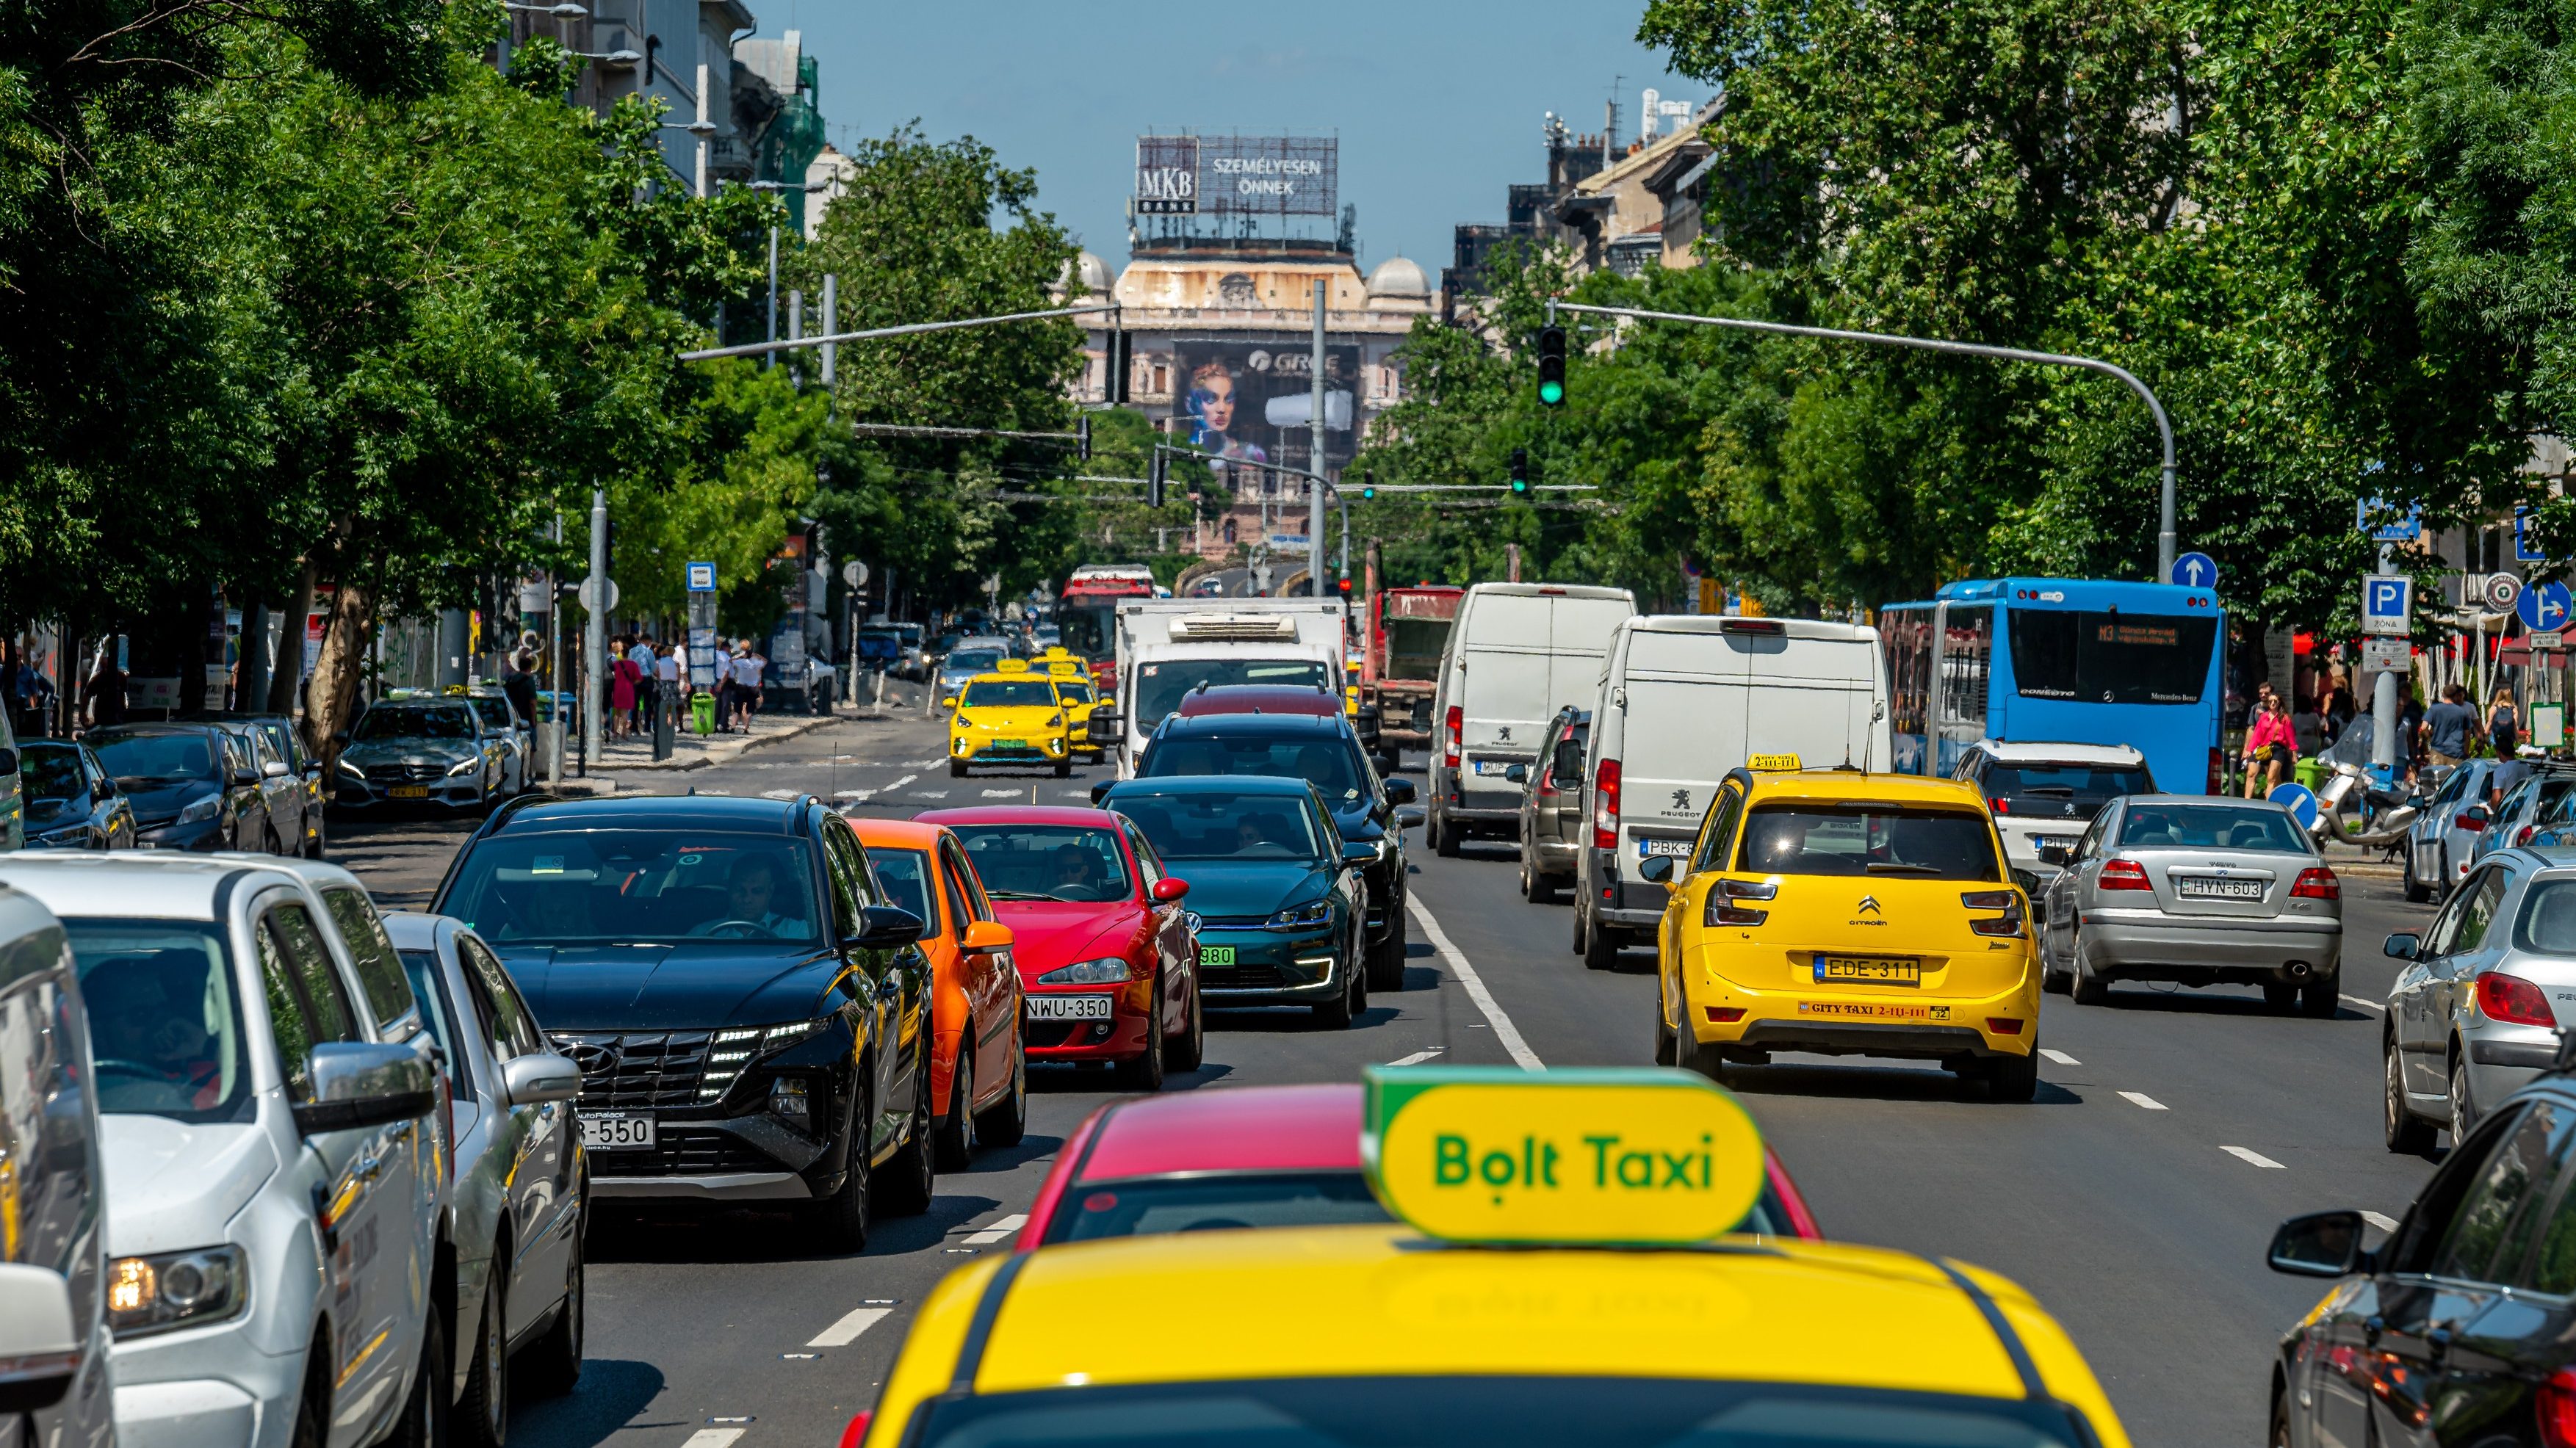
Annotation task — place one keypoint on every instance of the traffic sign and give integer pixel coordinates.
(2195, 570)
(2549, 642)
(855, 574)
(702, 578)
(2499, 591)
(2523, 549)
(2387, 606)
(2299, 801)
(2385, 656)
(590, 594)
(2544, 608)
(2380, 518)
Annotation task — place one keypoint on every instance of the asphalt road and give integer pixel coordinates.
(2172, 1131)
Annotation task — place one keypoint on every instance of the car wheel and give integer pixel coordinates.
(1445, 839)
(1145, 1071)
(2464, 1106)
(424, 1419)
(2407, 1134)
(2322, 997)
(1335, 1014)
(553, 1362)
(957, 1134)
(2013, 1078)
(908, 1177)
(313, 1407)
(839, 1222)
(1185, 1051)
(1358, 958)
(2416, 893)
(1667, 1050)
(2280, 995)
(486, 1408)
(957, 769)
(1007, 1120)
(1064, 769)
(1600, 947)
(2083, 986)
(1386, 959)
(270, 844)
(1578, 927)
(2279, 1436)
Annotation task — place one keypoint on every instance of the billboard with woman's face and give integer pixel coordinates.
(1250, 402)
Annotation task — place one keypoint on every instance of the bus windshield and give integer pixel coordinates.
(2110, 658)
(1085, 628)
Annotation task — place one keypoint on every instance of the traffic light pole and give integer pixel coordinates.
(2164, 427)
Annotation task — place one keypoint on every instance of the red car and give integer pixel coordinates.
(1256, 699)
(1250, 1156)
(1107, 959)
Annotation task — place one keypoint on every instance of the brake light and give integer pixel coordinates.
(2316, 883)
(1750, 626)
(2004, 1025)
(1726, 1015)
(2000, 806)
(2123, 875)
(1455, 727)
(2217, 772)
(2524, 838)
(2470, 820)
(1605, 804)
(1723, 909)
(2007, 901)
(2513, 1000)
(2555, 1408)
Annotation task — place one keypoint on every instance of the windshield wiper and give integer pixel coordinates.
(1892, 867)
(1014, 895)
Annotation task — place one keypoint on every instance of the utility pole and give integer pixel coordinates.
(595, 638)
(554, 670)
(771, 335)
(1315, 490)
(702, 134)
(831, 324)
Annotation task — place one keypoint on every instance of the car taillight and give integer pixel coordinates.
(2316, 883)
(2007, 901)
(2217, 771)
(2555, 1408)
(1723, 909)
(2524, 837)
(2123, 875)
(2513, 1000)
(1454, 727)
(2469, 821)
(1605, 804)
(2000, 806)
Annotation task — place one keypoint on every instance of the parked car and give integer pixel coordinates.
(72, 802)
(979, 1070)
(2473, 1016)
(281, 790)
(421, 751)
(12, 823)
(267, 1106)
(518, 747)
(55, 1383)
(2200, 889)
(2439, 842)
(277, 737)
(2044, 793)
(1553, 829)
(750, 1012)
(2540, 805)
(518, 1183)
(192, 786)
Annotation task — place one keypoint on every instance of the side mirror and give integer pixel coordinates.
(103, 791)
(40, 1345)
(274, 769)
(985, 935)
(540, 1077)
(1358, 852)
(1400, 791)
(1410, 816)
(2473, 818)
(950, 702)
(340, 740)
(366, 1083)
(1100, 791)
(1105, 726)
(2320, 1244)
(2028, 881)
(245, 776)
(1657, 868)
(884, 926)
(2401, 946)
(1167, 889)
(1517, 773)
(2058, 855)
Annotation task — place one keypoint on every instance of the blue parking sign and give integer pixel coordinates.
(2387, 605)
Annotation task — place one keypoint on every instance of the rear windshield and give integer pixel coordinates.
(1413, 647)
(1869, 839)
(1328, 763)
(2214, 827)
(1008, 694)
(980, 660)
(1077, 863)
(165, 1022)
(143, 760)
(596, 887)
(1209, 826)
(2111, 658)
(1159, 687)
(2049, 788)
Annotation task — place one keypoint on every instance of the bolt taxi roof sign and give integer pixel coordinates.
(1611, 1157)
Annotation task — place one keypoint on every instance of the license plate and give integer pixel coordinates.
(1068, 1007)
(2063, 842)
(616, 1131)
(409, 791)
(1493, 767)
(1868, 970)
(1216, 955)
(1010, 744)
(1649, 849)
(2199, 888)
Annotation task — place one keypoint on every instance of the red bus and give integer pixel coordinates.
(1086, 614)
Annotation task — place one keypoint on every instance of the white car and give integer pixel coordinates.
(272, 1134)
(2043, 794)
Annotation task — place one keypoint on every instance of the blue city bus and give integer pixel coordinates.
(2085, 661)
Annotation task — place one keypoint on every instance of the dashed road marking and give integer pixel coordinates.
(1504, 1030)
(2368, 1005)
(2247, 1154)
(1417, 1058)
(998, 1230)
(778, 794)
(2383, 1223)
(930, 794)
(900, 783)
(713, 1438)
(2140, 1098)
(1077, 794)
(2060, 1057)
(858, 796)
(846, 1331)
(1001, 794)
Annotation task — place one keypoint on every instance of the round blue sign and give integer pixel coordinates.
(2301, 803)
(2195, 570)
(2544, 607)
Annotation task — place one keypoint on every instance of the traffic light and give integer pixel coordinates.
(1551, 365)
(1082, 437)
(1118, 368)
(1368, 487)
(1345, 585)
(1520, 470)
(1155, 473)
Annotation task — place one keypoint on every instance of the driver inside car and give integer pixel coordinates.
(141, 1023)
(750, 887)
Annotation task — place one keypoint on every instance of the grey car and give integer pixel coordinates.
(517, 747)
(2475, 1010)
(423, 751)
(2439, 842)
(1552, 822)
(281, 790)
(521, 1184)
(2198, 889)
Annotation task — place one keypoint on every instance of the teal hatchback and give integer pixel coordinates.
(1277, 900)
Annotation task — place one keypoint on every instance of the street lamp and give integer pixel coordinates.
(694, 128)
(807, 188)
(560, 12)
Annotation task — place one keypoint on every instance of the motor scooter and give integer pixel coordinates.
(2355, 809)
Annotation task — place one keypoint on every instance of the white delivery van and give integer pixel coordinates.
(1518, 653)
(1685, 698)
(1169, 646)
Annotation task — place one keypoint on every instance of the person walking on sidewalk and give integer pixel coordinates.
(648, 691)
(621, 695)
(2271, 747)
(758, 679)
(2448, 727)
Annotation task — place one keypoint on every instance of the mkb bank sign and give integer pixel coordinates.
(1237, 175)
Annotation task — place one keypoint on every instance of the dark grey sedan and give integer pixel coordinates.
(72, 801)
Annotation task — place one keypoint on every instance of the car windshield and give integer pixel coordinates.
(1869, 839)
(1008, 694)
(666, 886)
(2049, 788)
(446, 721)
(1159, 686)
(904, 874)
(1074, 691)
(977, 660)
(2213, 827)
(165, 1022)
(495, 713)
(148, 757)
(1324, 761)
(51, 771)
(1080, 863)
(1223, 825)
(1492, 1412)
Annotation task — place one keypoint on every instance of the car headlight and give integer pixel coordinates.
(353, 771)
(738, 1046)
(465, 766)
(1296, 917)
(171, 1290)
(1055, 721)
(201, 809)
(1088, 972)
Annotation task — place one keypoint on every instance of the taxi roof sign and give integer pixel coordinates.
(1608, 1157)
(1011, 666)
(1774, 761)
(1066, 668)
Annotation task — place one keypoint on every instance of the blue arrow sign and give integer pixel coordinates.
(2299, 801)
(2196, 570)
(2386, 522)
(2544, 608)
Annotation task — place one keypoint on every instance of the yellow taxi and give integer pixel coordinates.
(1076, 696)
(1561, 1274)
(1848, 913)
(1009, 716)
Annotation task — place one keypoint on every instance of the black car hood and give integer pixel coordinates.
(159, 805)
(670, 987)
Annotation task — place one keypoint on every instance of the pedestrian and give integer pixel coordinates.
(2335, 707)
(756, 676)
(2271, 747)
(2503, 724)
(519, 681)
(621, 694)
(724, 690)
(2448, 728)
(669, 668)
(103, 692)
(647, 687)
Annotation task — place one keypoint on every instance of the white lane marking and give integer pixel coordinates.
(1001, 794)
(2255, 1157)
(2383, 1223)
(2060, 1057)
(778, 794)
(1084, 793)
(1417, 1058)
(920, 763)
(861, 796)
(2141, 1098)
(930, 794)
(998, 1230)
(846, 1331)
(909, 778)
(2367, 1005)
(1504, 1030)
(713, 1438)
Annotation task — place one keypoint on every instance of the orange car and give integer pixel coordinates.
(983, 1094)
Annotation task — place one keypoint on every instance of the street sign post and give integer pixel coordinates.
(2195, 570)
(2386, 522)
(2387, 606)
(2544, 608)
(2385, 656)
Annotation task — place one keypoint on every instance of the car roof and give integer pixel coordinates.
(1325, 723)
(1017, 814)
(1240, 1128)
(1548, 590)
(2042, 751)
(316, 873)
(156, 726)
(1854, 784)
(1712, 623)
(2134, 800)
(132, 884)
(1210, 784)
(911, 834)
(652, 811)
(1256, 699)
(417, 929)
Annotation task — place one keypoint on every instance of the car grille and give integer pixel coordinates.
(625, 1069)
(1242, 977)
(405, 773)
(686, 1151)
(1233, 922)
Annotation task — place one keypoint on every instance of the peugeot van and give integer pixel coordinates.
(1518, 653)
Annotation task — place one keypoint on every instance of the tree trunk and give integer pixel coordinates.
(332, 705)
(287, 670)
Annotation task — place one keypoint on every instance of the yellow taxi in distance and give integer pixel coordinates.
(1009, 716)
(1562, 1276)
(1851, 914)
(1076, 696)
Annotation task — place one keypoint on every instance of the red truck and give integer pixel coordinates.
(1400, 670)
(1086, 614)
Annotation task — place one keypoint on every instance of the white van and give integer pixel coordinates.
(1167, 647)
(1683, 699)
(1518, 653)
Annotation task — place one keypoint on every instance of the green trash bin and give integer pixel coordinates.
(2312, 772)
(702, 713)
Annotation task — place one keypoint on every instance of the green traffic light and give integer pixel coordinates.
(1551, 393)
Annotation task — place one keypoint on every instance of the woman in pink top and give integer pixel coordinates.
(621, 695)
(2271, 747)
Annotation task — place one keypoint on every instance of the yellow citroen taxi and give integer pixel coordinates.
(1009, 716)
(1561, 1275)
(1848, 913)
(1076, 696)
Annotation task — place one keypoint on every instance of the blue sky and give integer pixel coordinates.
(1439, 106)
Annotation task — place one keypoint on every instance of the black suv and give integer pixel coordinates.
(741, 996)
(1323, 751)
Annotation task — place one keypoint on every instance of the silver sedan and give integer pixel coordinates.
(2475, 1011)
(2199, 889)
